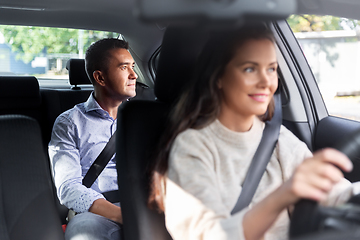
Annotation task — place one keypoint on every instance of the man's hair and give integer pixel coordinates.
(98, 54)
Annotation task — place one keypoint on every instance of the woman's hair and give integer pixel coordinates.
(199, 103)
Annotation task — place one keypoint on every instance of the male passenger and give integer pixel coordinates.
(81, 133)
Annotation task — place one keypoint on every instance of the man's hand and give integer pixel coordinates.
(106, 209)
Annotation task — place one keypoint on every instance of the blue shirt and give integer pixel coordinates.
(78, 137)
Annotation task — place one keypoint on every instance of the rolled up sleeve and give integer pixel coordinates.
(67, 172)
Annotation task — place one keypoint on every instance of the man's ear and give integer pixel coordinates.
(99, 77)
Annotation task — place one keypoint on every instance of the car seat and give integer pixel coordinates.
(20, 95)
(140, 126)
(77, 73)
(27, 207)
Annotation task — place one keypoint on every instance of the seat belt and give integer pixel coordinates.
(261, 157)
(98, 166)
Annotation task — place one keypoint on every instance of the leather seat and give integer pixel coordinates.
(140, 126)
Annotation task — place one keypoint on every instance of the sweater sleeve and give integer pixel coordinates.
(293, 152)
(193, 203)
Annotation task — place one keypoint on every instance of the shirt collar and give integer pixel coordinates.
(91, 104)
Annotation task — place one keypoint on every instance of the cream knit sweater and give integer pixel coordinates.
(206, 170)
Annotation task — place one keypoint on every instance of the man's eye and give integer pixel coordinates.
(123, 67)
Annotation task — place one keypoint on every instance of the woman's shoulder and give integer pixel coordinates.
(194, 141)
(193, 136)
(190, 148)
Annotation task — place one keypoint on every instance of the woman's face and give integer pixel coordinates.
(250, 79)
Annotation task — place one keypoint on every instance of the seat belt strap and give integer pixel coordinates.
(261, 157)
(112, 196)
(100, 162)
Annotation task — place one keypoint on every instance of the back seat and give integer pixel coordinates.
(22, 95)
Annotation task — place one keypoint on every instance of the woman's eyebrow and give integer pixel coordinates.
(249, 62)
(255, 63)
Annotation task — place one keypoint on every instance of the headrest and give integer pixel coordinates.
(179, 51)
(19, 92)
(77, 73)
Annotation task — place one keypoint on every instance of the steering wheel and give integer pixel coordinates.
(309, 217)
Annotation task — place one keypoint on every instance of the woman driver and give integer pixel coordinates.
(215, 129)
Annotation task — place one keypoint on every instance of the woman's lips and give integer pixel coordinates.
(259, 97)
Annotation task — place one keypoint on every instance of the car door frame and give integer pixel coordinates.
(319, 129)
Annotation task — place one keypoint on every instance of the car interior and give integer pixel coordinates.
(165, 39)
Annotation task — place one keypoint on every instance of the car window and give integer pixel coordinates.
(42, 51)
(331, 46)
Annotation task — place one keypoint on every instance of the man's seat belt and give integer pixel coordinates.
(98, 166)
(261, 157)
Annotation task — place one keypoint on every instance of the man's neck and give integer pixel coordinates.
(108, 104)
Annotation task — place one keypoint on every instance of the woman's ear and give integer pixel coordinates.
(99, 78)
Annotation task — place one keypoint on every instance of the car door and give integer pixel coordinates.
(304, 110)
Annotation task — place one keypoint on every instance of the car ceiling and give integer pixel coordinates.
(118, 16)
(105, 15)
(342, 8)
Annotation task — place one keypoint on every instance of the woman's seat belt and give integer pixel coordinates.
(262, 156)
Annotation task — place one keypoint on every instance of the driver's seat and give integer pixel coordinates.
(140, 126)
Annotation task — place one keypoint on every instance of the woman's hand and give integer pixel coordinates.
(316, 176)
(313, 179)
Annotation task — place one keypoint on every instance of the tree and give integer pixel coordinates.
(309, 23)
(28, 41)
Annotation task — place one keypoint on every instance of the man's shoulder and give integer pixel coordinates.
(71, 114)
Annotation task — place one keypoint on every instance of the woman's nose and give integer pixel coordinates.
(265, 78)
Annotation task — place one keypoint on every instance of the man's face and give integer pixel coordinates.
(120, 78)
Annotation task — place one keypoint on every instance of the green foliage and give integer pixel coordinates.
(29, 42)
(309, 23)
